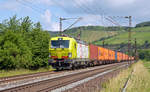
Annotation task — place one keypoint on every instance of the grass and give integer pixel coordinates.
(142, 34)
(116, 84)
(147, 65)
(139, 81)
(90, 36)
(4, 73)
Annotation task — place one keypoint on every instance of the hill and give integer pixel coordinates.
(91, 33)
(143, 24)
(142, 35)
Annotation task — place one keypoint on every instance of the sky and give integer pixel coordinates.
(92, 12)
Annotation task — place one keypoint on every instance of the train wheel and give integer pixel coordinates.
(72, 66)
(58, 69)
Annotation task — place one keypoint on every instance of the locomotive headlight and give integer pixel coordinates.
(69, 55)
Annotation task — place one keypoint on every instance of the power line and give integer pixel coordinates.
(27, 5)
(36, 8)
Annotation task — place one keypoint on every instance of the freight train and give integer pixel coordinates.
(70, 53)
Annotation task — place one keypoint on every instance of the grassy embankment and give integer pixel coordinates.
(92, 35)
(141, 34)
(138, 82)
(89, 35)
(4, 73)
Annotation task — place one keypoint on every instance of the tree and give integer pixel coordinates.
(23, 44)
(14, 52)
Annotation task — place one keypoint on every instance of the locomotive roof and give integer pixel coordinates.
(69, 38)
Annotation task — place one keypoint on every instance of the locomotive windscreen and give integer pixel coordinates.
(60, 44)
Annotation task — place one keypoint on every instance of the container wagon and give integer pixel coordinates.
(70, 53)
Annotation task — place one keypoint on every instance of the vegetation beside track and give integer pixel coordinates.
(23, 44)
(138, 82)
(147, 65)
(5, 73)
(144, 54)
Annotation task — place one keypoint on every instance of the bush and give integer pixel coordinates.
(144, 54)
(23, 44)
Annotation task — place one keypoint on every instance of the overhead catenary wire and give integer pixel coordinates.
(27, 5)
(37, 9)
(87, 9)
(73, 23)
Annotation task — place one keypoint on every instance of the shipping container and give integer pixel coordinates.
(123, 57)
(116, 56)
(119, 56)
(101, 56)
(82, 51)
(113, 55)
(93, 52)
(106, 54)
(109, 55)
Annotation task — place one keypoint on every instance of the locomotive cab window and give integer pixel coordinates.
(60, 44)
(75, 46)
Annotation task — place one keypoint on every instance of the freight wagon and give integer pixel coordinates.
(69, 53)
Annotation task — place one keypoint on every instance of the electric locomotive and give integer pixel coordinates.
(68, 53)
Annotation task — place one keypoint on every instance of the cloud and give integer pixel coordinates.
(46, 16)
(135, 8)
(45, 2)
(111, 7)
(91, 19)
(9, 5)
(120, 3)
(90, 10)
(47, 21)
(55, 26)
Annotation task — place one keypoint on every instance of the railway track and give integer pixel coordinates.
(62, 80)
(24, 76)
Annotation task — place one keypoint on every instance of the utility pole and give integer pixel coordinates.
(60, 23)
(79, 35)
(129, 36)
(103, 43)
(130, 24)
(135, 50)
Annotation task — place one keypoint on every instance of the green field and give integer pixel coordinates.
(89, 33)
(141, 34)
(93, 33)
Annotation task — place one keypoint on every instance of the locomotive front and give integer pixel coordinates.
(61, 52)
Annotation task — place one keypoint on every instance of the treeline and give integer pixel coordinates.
(144, 54)
(95, 28)
(143, 24)
(23, 44)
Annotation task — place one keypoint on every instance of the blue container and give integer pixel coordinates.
(115, 55)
